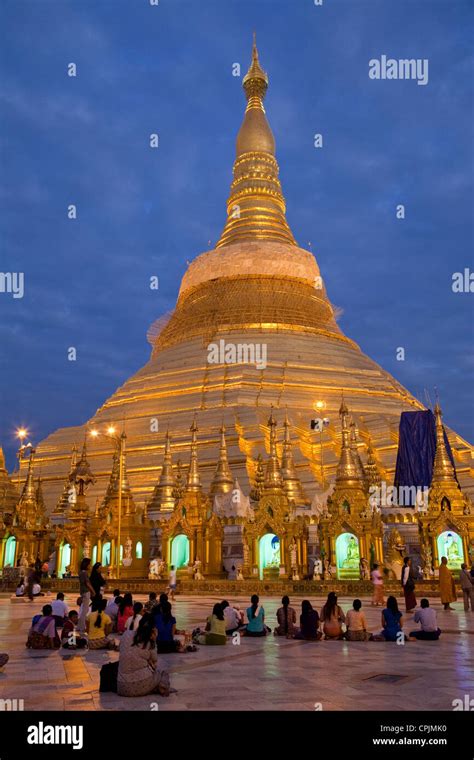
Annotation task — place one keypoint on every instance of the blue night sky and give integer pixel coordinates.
(144, 212)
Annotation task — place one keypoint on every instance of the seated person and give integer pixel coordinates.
(138, 672)
(152, 602)
(392, 621)
(43, 634)
(232, 618)
(215, 628)
(99, 628)
(426, 616)
(256, 619)
(309, 623)
(166, 627)
(332, 618)
(134, 620)
(60, 609)
(20, 589)
(125, 611)
(36, 590)
(286, 617)
(113, 605)
(70, 636)
(356, 623)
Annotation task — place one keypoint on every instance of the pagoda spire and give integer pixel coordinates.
(114, 485)
(371, 469)
(163, 498)
(273, 479)
(63, 502)
(27, 506)
(29, 492)
(256, 206)
(178, 490)
(222, 481)
(257, 489)
(193, 480)
(347, 470)
(291, 483)
(354, 441)
(82, 475)
(443, 469)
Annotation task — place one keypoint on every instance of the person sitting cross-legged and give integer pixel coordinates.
(309, 623)
(138, 672)
(152, 602)
(392, 622)
(99, 628)
(426, 616)
(133, 621)
(356, 623)
(215, 628)
(332, 618)
(165, 624)
(256, 619)
(43, 634)
(286, 617)
(60, 610)
(124, 612)
(70, 636)
(232, 617)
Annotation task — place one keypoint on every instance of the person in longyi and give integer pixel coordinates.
(447, 587)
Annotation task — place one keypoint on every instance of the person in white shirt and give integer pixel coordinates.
(134, 620)
(172, 582)
(426, 616)
(232, 617)
(60, 610)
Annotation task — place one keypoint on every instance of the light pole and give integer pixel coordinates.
(120, 442)
(319, 424)
(22, 451)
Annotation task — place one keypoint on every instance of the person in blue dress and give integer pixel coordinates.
(392, 621)
(256, 619)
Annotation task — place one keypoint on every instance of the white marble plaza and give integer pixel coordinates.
(259, 674)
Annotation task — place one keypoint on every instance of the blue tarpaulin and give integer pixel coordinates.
(416, 449)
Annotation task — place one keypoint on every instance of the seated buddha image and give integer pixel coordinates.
(352, 554)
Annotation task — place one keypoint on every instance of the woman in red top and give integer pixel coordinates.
(124, 612)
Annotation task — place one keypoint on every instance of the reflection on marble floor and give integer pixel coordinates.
(258, 674)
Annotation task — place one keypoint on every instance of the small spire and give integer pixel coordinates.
(110, 501)
(222, 481)
(63, 502)
(443, 469)
(354, 441)
(273, 480)
(347, 469)
(291, 483)
(163, 497)
(193, 481)
(82, 475)
(371, 469)
(257, 490)
(179, 487)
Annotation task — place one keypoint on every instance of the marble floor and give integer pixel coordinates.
(258, 674)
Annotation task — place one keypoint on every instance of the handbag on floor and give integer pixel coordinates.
(108, 676)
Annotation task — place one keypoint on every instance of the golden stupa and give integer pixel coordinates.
(253, 329)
